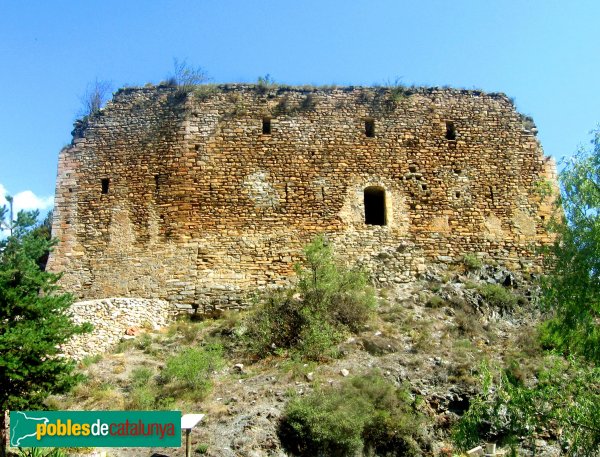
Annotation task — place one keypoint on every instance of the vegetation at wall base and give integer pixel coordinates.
(33, 320)
(311, 317)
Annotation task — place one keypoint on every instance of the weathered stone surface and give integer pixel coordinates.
(184, 198)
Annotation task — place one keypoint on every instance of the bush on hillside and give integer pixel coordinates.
(498, 296)
(365, 414)
(191, 369)
(312, 316)
(563, 398)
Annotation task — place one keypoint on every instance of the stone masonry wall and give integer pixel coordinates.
(190, 198)
(111, 318)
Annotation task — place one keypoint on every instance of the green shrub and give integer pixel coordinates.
(467, 324)
(435, 301)
(89, 360)
(309, 102)
(498, 296)
(472, 262)
(365, 414)
(186, 328)
(265, 83)
(317, 338)
(144, 342)
(141, 376)
(399, 92)
(312, 316)
(192, 368)
(205, 91)
(202, 448)
(564, 396)
(40, 452)
(141, 398)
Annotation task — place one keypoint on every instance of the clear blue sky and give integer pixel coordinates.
(543, 53)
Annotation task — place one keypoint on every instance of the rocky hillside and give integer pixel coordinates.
(430, 337)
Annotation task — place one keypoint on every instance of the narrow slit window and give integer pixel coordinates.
(450, 131)
(370, 127)
(105, 182)
(375, 206)
(266, 126)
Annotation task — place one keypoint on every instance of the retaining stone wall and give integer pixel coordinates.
(110, 318)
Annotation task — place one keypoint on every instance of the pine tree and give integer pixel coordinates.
(33, 321)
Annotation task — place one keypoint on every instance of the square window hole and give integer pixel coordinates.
(266, 126)
(450, 131)
(370, 128)
(105, 182)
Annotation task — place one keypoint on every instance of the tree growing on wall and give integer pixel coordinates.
(95, 96)
(33, 321)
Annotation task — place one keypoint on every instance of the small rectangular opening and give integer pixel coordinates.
(266, 126)
(450, 130)
(105, 183)
(374, 200)
(370, 127)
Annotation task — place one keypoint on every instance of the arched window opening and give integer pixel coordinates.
(375, 206)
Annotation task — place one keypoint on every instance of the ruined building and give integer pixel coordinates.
(197, 196)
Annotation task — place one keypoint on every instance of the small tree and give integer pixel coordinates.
(95, 96)
(186, 77)
(564, 399)
(573, 284)
(33, 321)
(566, 396)
(311, 317)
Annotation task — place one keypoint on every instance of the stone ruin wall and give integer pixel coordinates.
(111, 318)
(200, 206)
